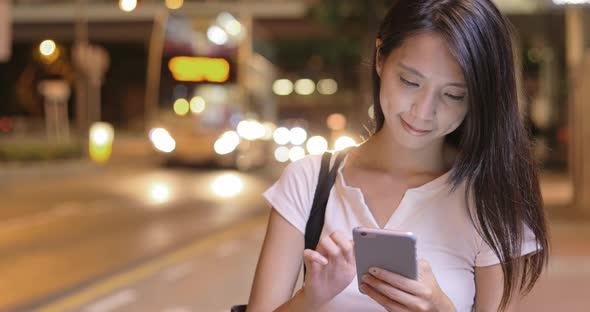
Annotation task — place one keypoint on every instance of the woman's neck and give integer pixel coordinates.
(382, 152)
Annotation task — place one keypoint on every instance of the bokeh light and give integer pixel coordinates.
(181, 107)
(317, 145)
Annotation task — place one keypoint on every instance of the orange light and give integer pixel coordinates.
(194, 69)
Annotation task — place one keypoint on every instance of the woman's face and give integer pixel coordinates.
(423, 92)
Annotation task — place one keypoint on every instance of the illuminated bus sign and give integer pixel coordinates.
(196, 69)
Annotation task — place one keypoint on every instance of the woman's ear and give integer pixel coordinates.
(378, 58)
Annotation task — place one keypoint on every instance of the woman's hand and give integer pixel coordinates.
(398, 293)
(330, 268)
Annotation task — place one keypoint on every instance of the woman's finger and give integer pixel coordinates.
(391, 292)
(388, 304)
(328, 248)
(345, 245)
(400, 282)
(314, 256)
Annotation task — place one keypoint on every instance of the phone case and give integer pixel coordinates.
(393, 251)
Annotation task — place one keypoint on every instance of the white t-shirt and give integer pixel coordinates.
(446, 236)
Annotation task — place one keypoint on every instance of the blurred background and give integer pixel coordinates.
(136, 137)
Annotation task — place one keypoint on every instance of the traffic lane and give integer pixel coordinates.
(125, 224)
(206, 275)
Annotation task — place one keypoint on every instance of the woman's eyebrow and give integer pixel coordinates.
(412, 70)
(419, 74)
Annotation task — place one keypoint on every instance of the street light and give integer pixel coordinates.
(127, 5)
(217, 35)
(304, 86)
(101, 141)
(47, 47)
(174, 4)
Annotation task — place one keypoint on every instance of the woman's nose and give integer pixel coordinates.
(424, 107)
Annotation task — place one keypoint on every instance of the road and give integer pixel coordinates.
(150, 239)
(60, 233)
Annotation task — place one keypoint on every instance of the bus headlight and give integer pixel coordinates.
(227, 143)
(162, 140)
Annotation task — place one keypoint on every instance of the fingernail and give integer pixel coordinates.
(373, 270)
(365, 278)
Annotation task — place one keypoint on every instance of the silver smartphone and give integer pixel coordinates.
(394, 251)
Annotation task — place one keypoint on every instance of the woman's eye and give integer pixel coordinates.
(407, 82)
(455, 97)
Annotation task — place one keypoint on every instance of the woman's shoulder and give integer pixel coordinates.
(304, 170)
(309, 163)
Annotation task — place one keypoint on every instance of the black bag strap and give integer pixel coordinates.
(315, 222)
(327, 177)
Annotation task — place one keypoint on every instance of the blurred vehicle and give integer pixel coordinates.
(211, 96)
(203, 131)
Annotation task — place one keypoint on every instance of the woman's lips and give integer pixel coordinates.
(412, 130)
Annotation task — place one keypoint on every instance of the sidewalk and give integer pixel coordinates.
(128, 151)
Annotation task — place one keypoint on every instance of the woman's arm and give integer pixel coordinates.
(489, 286)
(330, 269)
(278, 266)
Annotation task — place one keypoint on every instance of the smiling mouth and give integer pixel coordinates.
(412, 130)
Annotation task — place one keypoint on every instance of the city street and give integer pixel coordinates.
(59, 233)
(137, 138)
(159, 239)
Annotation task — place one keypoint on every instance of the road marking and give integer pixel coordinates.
(150, 268)
(228, 249)
(60, 210)
(113, 302)
(178, 272)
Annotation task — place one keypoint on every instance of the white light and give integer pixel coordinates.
(269, 129)
(159, 192)
(224, 18)
(282, 136)
(251, 130)
(344, 142)
(316, 145)
(282, 154)
(227, 185)
(100, 136)
(47, 47)
(229, 23)
(298, 135)
(243, 127)
(282, 87)
(304, 86)
(233, 28)
(296, 153)
(227, 143)
(127, 5)
(563, 2)
(327, 86)
(197, 105)
(101, 133)
(162, 140)
(217, 35)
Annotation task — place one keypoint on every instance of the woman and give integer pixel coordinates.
(449, 160)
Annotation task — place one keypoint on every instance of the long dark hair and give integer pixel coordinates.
(495, 157)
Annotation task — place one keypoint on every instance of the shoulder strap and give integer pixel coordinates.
(315, 223)
(327, 177)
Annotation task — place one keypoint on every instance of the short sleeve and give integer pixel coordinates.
(292, 195)
(486, 256)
